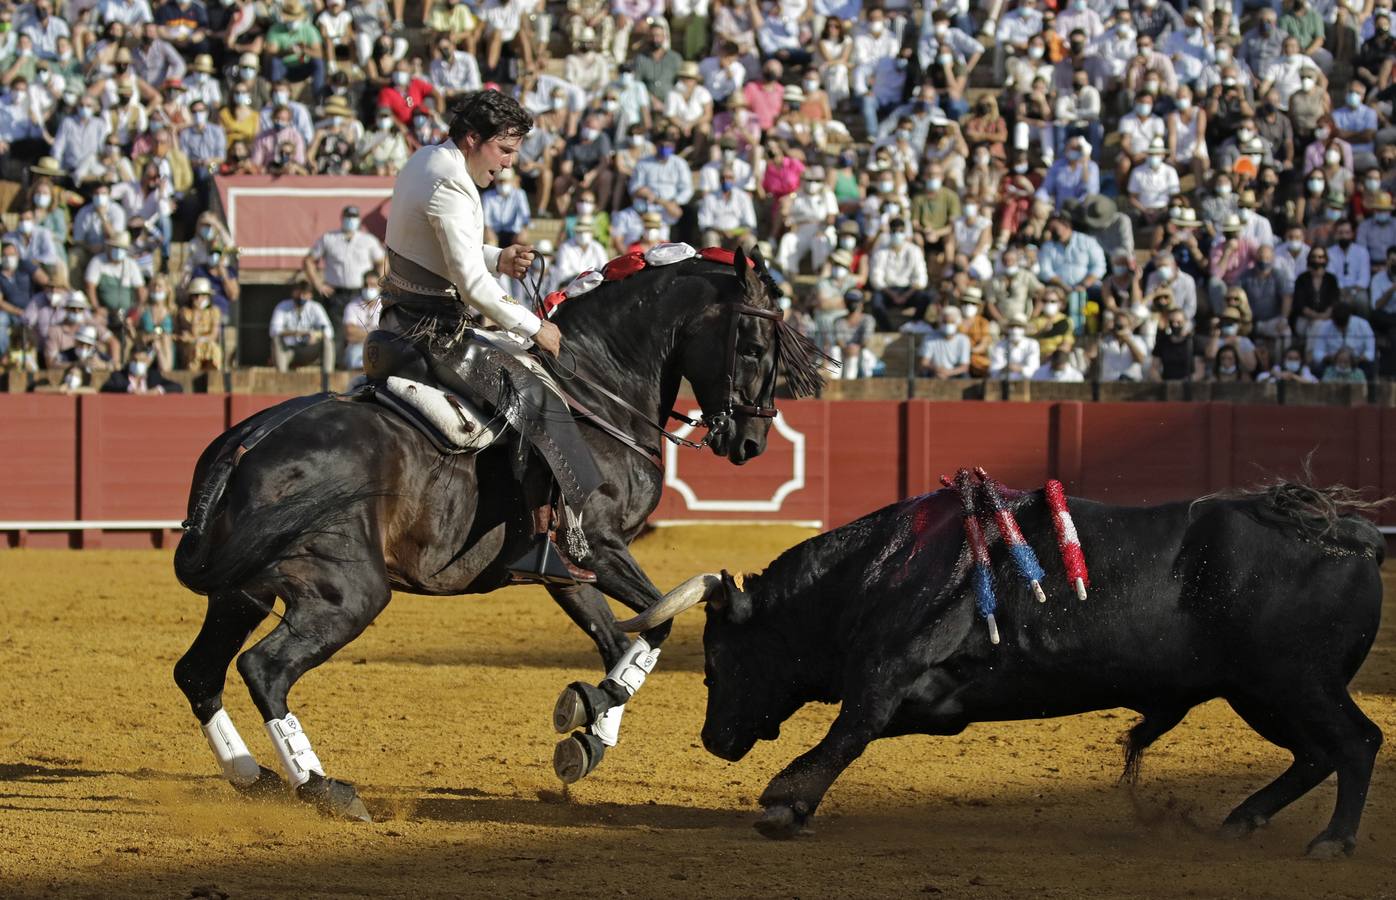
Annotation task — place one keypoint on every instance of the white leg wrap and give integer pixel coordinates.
(297, 757)
(233, 756)
(639, 660)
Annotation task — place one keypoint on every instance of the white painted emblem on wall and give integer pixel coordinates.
(690, 497)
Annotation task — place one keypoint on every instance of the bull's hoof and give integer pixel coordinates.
(1325, 847)
(336, 799)
(578, 706)
(1238, 827)
(781, 823)
(577, 756)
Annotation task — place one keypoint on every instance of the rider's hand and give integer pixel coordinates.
(549, 338)
(515, 261)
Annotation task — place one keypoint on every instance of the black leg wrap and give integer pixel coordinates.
(336, 799)
(268, 784)
(578, 706)
(577, 756)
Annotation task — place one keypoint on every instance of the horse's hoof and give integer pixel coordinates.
(781, 823)
(1236, 829)
(577, 756)
(1323, 847)
(579, 705)
(267, 786)
(336, 799)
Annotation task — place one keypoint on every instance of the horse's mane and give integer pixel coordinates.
(801, 361)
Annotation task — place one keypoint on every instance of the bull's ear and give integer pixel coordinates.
(734, 602)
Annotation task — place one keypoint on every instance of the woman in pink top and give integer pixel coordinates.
(782, 178)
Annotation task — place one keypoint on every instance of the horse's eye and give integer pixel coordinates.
(752, 351)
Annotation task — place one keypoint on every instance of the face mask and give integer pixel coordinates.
(942, 29)
(1016, 334)
(117, 253)
(1293, 365)
(282, 97)
(203, 301)
(876, 28)
(652, 234)
(1165, 273)
(627, 78)
(201, 117)
(1227, 82)
(214, 258)
(158, 296)
(351, 223)
(138, 368)
(385, 123)
(1228, 370)
(1306, 84)
(666, 151)
(949, 328)
(10, 263)
(1294, 245)
(370, 294)
(1245, 134)
(848, 242)
(969, 310)
(1354, 99)
(898, 238)
(1035, 52)
(886, 187)
(1224, 189)
(584, 238)
(1010, 270)
(637, 140)
(1051, 309)
(1334, 215)
(1231, 330)
(505, 188)
(1184, 103)
(811, 87)
(611, 105)
(102, 200)
(242, 99)
(85, 352)
(1373, 184)
(1126, 33)
(1244, 215)
(1382, 217)
(1333, 157)
(839, 272)
(585, 207)
(1020, 168)
(1155, 162)
(26, 226)
(590, 134)
(1315, 185)
(933, 184)
(401, 79)
(1073, 155)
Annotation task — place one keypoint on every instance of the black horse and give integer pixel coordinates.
(344, 502)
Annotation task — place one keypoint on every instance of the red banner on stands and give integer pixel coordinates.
(276, 220)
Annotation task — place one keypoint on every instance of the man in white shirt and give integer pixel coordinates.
(809, 224)
(1152, 186)
(442, 280)
(1351, 265)
(727, 214)
(301, 332)
(1016, 357)
(578, 254)
(898, 277)
(743, 175)
(945, 351)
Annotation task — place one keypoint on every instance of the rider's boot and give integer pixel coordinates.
(545, 561)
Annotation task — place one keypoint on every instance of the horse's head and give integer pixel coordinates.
(732, 361)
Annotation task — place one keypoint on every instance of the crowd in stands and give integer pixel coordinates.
(1083, 189)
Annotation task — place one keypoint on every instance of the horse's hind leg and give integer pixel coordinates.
(1352, 741)
(326, 609)
(201, 674)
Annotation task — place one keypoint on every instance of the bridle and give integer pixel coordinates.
(715, 423)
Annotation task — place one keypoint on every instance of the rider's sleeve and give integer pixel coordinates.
(471, 266)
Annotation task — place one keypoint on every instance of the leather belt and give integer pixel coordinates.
(397, 281)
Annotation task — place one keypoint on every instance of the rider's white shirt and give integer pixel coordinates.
(436, 221)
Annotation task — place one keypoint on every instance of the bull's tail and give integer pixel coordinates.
(259, 536)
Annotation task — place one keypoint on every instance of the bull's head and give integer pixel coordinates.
(750, 693)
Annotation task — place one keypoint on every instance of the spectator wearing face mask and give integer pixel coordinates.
(808, 225)
(1270, 298)
(976, 325)
(1290, 369)
(99, 220)
(360, 317)
(852, 333)
(296, 48)
(898, 278)
(1378, 48)
(113, 280)
(587, 164)
(663, 183)
(1377, 233)
(339, 261)
(19, 281)
(382, 151)
(152, 324)
(35, 244)
(945, 351)
(1233, 254)
(507, 216)
(1342, 330)
(1016, 357)
(141, 375)
(1316, 292)
(1350, 263)
(1356, 122)
(269, 149)
(580, 253)
(1345, 369)
(727, 216)
(405, 94)
(300, 118)
(79, 337)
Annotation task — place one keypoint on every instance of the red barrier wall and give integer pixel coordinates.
(276, 219)
(131, 458)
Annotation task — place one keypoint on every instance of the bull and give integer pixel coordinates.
(1269, 599)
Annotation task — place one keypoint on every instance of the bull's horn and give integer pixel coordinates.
(692, 592)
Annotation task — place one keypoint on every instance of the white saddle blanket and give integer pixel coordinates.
(458, 420)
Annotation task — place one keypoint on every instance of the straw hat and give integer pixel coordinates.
(689, 70)
(200, 287)
(1231, 224)
(49, 166)
(794, 94)
(973, 294)
(652, 220)
(1382, 202)
(1157, 147)
(1184, 217)
(203, 63)
(249, 61)
(87, 334)
(292, 9)
(121, 240)
(338, 106)
(841, 258)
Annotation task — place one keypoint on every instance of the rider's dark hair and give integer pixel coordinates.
(489, 114)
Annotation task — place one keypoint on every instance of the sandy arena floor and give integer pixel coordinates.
(108, 789)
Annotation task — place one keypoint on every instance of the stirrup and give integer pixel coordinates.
(544, 563)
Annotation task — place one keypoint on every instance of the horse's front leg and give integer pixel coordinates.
(598, 708)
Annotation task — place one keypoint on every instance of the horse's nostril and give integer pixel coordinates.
(750, 449)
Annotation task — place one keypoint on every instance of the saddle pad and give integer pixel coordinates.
(459, 422)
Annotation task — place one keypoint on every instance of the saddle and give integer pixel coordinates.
(399, 379)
